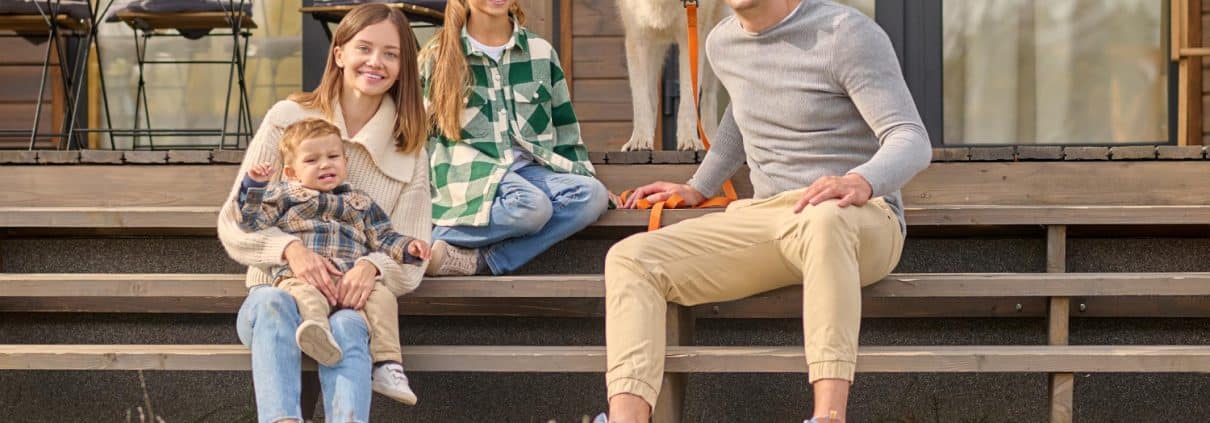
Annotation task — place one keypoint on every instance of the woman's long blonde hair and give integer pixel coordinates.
(411, 126)
(450, 75)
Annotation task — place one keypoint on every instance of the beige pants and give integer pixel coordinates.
(381, 313)
(753, 247)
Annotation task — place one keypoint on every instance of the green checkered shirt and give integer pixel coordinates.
(521, 101)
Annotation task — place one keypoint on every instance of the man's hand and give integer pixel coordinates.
(420, 249)
(261, 172)
(660, 191)
(850, 189)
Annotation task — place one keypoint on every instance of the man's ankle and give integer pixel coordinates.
(628, 408)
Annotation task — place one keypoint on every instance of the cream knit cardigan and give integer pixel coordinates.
(398, 182)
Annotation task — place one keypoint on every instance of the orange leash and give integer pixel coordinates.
(676, 202)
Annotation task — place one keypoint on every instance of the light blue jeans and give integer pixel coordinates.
(266, 324)
(534, 208)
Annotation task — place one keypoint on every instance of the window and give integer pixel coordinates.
(193, 96)
(996, 72)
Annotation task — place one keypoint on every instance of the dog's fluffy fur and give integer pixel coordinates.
(651, 26)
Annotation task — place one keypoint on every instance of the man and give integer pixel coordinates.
(828, 128)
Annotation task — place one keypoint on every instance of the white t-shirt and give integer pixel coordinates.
(520, 156)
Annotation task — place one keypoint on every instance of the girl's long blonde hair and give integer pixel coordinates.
(411, 127)
(450, 75)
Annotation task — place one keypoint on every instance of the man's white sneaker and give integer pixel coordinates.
(389, 380)
(315, 340)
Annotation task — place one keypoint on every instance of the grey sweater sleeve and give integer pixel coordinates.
(866, 67)
(726, 155)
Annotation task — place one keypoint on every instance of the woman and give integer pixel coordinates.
(510, 174)
(370, 90)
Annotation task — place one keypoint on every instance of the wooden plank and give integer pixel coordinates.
(693, 359)
(36, 24)
(906, 285)
(1022, 184)
(121, 186)
(976, 215)
(539, 18)
(670, 404)
(752, 308)
(602, 100)
(1150, 184)
(1193, 75)
(565, 44)
(596, 18)
(341, 10)
(21, 84)
(204, 217)
(20, 50)
(605, 136)
(600, 57)
(187, 20)
(1061, 390)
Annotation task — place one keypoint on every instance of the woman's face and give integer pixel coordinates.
(492, 8)
(370, 61)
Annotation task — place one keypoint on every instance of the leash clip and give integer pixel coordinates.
(687, 3)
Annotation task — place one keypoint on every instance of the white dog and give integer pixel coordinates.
(651, 27)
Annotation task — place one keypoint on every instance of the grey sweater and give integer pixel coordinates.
(818, 94)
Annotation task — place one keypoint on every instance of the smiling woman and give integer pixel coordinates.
(371, 95)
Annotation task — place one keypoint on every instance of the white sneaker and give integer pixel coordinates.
(449, 260)
(316, 341)
(389, 380)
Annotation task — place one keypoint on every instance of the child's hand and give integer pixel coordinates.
(420, 249)
(261, 172)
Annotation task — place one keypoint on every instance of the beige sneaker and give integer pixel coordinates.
(316, 341)
(449, 260)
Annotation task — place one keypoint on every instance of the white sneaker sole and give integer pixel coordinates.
(406, 397)
(317, 342)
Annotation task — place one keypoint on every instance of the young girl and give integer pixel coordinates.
(510, 175)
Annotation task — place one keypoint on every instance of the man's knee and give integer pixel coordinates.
(824, 220)
(625, 263)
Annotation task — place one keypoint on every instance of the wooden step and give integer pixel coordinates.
(695, 359)
(899, 295)
(132, 198)
(204, 218)
(913, 285)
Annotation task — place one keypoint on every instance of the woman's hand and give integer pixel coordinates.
(354, 288)
(313, 269)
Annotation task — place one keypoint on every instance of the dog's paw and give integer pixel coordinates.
(638, 143)
(690, 143)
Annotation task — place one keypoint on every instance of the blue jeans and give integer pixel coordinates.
(534, 208)
(266, 324)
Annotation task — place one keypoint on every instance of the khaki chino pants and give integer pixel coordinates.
(381, 313)
(752, 247)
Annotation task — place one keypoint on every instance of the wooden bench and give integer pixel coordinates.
(1051, 196)
(680, 359)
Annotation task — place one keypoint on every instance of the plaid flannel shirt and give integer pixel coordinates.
(342, 225)
(520, 101)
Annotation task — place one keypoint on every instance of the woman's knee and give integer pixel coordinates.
(348, 323)
(526, 212)
(587, 196)
(272, 303)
